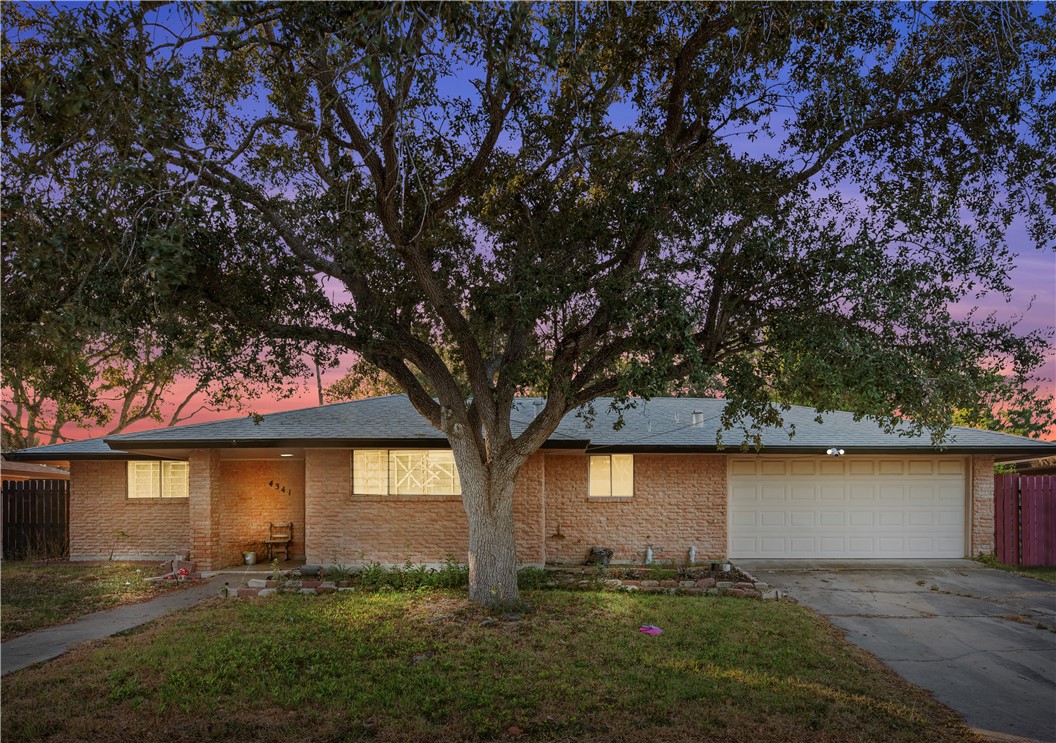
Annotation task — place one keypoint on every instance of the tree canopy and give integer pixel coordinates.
(767, 201)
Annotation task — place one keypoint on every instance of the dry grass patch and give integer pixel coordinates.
(38, 596)
(433, 667)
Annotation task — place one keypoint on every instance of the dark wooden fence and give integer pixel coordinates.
(1025, 519)
(36, 517)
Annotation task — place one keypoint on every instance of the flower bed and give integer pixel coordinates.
(694, 581)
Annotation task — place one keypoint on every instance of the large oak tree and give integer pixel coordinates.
(772, 201)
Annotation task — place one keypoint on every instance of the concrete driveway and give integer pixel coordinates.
(982, 641)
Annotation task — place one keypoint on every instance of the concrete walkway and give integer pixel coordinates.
(982, 641)
(52, 642)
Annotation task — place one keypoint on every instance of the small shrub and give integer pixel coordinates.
(338, 572)
(451, 574)
(531, 578)
(373, 576)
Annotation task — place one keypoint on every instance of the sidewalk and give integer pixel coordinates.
(52, 642)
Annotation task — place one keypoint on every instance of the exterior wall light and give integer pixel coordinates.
(834, 452)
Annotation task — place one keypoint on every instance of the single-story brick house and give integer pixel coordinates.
(372, 480)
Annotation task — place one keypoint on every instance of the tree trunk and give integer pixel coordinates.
(487, 495)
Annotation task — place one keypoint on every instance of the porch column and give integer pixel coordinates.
(204, 482)
(982, 511)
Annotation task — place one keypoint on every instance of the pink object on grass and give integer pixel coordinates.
(650, 629)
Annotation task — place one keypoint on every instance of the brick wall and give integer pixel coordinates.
(347, 529)
(205, 499)
(679, 501)
(248, 503)
(100, 508)
(982, 506)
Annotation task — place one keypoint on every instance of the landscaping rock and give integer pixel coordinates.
(694, 591)
(669, 583)
(751, 593)
(307, 591)
(613, 583)
(310, 570)
(744, 586)
(724, 584)
(632, 584)
(687, 583)
(311, 583)
(650, 583)
(242, 592)
(738, 592)
(706, 583)
(712, 591)
(266, 591)
(761, 586)
(488, 621)
(327, 586)
(343, 589)
(652, 589)
(257, 583)
(631, 589)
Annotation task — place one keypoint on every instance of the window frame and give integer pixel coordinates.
(611, 494)
(161, 476)
(390, 467)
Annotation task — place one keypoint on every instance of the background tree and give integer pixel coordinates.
(588, 199)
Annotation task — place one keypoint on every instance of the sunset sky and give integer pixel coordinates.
(1032, 301)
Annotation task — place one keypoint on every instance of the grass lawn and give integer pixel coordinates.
(1046, 573)
(35, 597)
(430, 666)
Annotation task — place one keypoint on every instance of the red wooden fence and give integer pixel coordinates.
(1025, 519)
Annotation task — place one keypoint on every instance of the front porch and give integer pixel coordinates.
(232, 500)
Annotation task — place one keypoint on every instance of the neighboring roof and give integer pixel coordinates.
(659, 424)
(27, 471)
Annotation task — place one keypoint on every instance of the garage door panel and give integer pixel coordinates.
(949, 518)
(744, 518)
(890, 518)
(861, 518)
(891, 493)
(773, 518)
(832, 518)
(773, 493)
(861, 545)
(833, 492)
(834, 546)
(891, 546)
(773, 545)
(873, 507)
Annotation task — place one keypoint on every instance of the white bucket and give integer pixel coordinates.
(249, 558)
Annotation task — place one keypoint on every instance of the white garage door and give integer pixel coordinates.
(852, 507)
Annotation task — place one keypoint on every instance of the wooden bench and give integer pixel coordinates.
(280, 537)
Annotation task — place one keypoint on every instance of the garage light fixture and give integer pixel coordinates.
(285, 455)
(834, 452)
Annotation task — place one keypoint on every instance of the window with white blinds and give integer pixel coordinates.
(158, 480)
(404, 472)
(611, 476)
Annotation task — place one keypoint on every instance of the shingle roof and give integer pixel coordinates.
(660, 424)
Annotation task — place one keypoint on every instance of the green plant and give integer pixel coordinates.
(532, 578)
(451, 574)
(340, 573)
